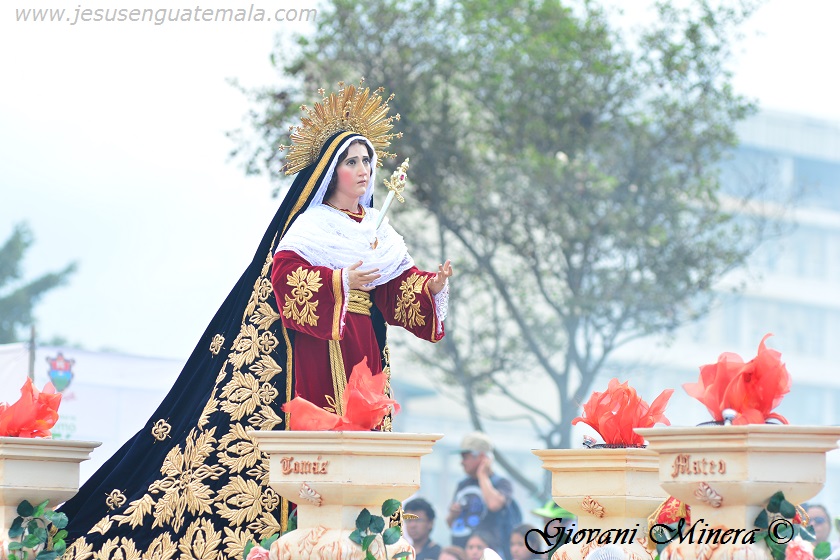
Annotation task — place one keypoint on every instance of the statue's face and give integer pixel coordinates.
(353, 174)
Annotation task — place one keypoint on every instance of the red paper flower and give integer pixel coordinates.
(33, 415)
(364, 400)
(617, 411)
(751, 389)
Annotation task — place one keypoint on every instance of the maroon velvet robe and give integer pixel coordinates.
(311, 301)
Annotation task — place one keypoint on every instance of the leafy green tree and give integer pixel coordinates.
(17, 296)
(573, 178)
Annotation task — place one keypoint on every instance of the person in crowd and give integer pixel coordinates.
(419, 527)
(477, 543)
(483, 500)
(820, 520)
(518, 545)
(452, 553)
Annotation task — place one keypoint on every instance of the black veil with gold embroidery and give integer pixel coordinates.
(191, 483)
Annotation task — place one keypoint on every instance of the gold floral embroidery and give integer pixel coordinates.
(103, 526)
(332, 405)
(136, 511)
(267, 525)
(299, 308)
(267, 342)
(240, 500)
(264, 316)
(264, 290)
(238, 392)
(210, 407)
(260, 471)
(241, 395)
(235, 541)
(184, 488)
(216, 344)
(407, 311)
(265, 419)
(161, 429)
(265, 368)
(115, 499)
(79, 550)
(119, 548)
(201, 541)
(162, 548)
(237, 451)
(245, 347)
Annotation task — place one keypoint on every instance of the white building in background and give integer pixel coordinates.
(792, 290)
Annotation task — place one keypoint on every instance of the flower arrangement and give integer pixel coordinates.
(616, 412)
(364, 403)
(752, 389)
(33, 415)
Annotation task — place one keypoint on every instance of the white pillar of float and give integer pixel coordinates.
(609, 490)
(38, 469)
(728, 473)
(332, 476)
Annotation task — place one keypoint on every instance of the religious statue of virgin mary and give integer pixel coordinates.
(327, 277)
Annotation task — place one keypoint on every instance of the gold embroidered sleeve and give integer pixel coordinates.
(407, 311)
(299, 305)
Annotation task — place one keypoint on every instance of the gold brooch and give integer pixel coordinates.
(353, 109)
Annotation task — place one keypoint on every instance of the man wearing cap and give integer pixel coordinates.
(483, 500)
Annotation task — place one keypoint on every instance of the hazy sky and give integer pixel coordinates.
(113, 150)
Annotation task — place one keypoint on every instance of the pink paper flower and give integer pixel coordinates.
(799, 549)
(616, 412)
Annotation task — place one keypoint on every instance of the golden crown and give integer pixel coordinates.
(355, 109)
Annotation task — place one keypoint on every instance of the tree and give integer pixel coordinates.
(18, 297)
(574, 177)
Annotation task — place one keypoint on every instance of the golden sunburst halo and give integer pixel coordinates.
(352, 108)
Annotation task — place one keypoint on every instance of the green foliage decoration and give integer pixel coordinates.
(369, 527)
(37, 532)
(788, 523)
